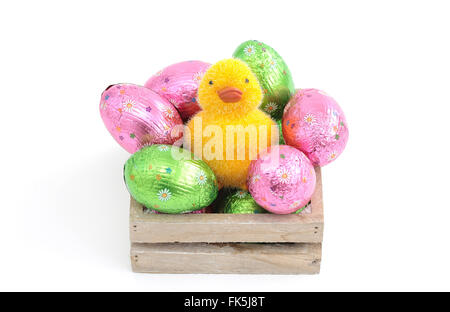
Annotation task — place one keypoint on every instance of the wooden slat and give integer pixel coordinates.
(229, 228)
(226, 258)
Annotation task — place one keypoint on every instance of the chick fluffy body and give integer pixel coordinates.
(219, 114)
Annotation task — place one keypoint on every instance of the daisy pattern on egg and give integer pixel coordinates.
(103, 105)
(249, 50)
(128, 105)
(273, 63)
(295, 204)
(255, 178)
(332, 156)
(284, 175)
(164, 194)
(309, 119)
(198, 76)
(241, 194)
(163, 148)
(271, 107)
(201, 177)
(169, 113)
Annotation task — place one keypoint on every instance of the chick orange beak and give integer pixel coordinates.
(230, 94)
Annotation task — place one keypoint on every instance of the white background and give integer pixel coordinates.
(64, 206)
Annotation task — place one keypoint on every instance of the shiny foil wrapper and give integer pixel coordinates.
(304, 210)
(203, 210)
(314, 123)
(240, 202)
(136, 117)
(178, 83)
(281, 180)
(169, 180)
(273, 75)
(280, 128)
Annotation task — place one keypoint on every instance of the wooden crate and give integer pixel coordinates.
(227, 243)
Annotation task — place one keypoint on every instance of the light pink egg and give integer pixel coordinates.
(136, 116)
(314, 123)
(178, 83)
(281, 180)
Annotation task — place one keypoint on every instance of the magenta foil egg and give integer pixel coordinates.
(314, 123)
(136, 116)
(281, 180)
(178, 83)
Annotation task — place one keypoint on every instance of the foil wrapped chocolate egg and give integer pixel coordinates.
(314, 123)
(241, 202)
(178, 83)
(153, 211)
(136, 117)
(280, 128)
(281, 180)
(273, 75)
(169, 180)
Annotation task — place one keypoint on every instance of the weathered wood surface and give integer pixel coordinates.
(253, 258)
(229, 228)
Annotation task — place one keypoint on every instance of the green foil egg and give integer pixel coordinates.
(168, 179)
(303, 209)
(280, 128)
(241, 202)
(273, 75)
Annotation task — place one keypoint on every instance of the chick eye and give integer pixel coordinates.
(246, 80)
(211, 82)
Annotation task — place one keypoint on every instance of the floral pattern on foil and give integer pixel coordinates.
(314, 123)
(281, 188)
(163, 148)
(249, 50)
(273, 63)
(284, 176)
(241, 194)
(332, 156)
(309, 119)
(295, 204)
(126, 116)
(178, 84)
(128, 105)
(169, 113)
(255, 178)
(271, 107)
(164, 195)
(201, 178)
(198, 76)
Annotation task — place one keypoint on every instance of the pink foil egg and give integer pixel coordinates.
(178, 83)
(281, 180)
(136, 116)
(314, 123)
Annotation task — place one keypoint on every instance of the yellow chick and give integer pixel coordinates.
(230, 131)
